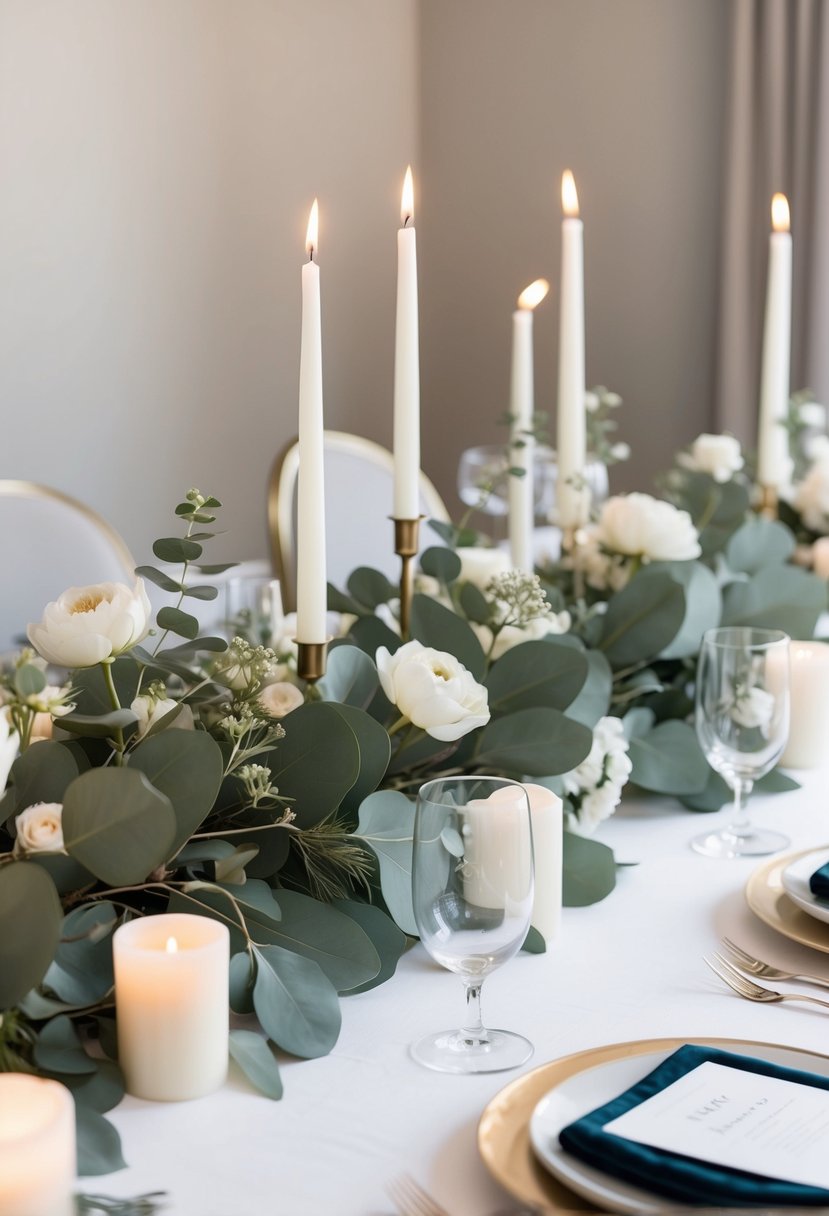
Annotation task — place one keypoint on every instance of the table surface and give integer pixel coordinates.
(627, 968)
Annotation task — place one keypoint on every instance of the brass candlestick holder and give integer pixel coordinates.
(406, 544)
(310, 660)
(769, 501)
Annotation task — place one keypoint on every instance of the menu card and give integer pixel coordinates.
(738, 1119)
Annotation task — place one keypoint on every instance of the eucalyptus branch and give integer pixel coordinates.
(106, 666)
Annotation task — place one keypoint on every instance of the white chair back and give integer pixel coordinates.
(359, 480)
(48, 542)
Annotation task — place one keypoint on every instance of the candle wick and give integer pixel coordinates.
(311, 254)
(406, 221)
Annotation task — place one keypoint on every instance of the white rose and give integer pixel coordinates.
(597, 806)
(641, 526)
(433, 690)
(280, 699)
(9, 745)
(717, 455)
(812, 413)
(478, 566)
(39, 829)
(86, 625)
(149, 710)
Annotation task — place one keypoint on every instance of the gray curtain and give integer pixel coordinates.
(777, 138)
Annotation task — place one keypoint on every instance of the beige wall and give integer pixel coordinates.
(627, 93)
(157, 160)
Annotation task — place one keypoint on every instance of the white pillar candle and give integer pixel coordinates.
(37, 1147)
(809, 721)
(773, 465)
(496, 844)
(312, 592)
(820, 557)
(572, 493)
(547, 814)
(171, 998)
(407, 366)
(522, 446)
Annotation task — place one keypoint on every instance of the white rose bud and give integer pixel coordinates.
(717, 455)
(87, 625)
(433, 690)
(638, 525)
(280, 699)
(39, 829)
(149, 710)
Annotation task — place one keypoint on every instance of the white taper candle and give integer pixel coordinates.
(573, 495)
(522, 446)
(311, 597)
(407, 366)
(773, 464)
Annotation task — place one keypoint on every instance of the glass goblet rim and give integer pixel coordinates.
(468, 780)
(732, 637)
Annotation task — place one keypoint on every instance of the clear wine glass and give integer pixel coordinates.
(742, 723)
(472, 887)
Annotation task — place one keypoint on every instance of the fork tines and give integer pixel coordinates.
(410, 1198)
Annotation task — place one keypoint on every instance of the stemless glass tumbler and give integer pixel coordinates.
(742, 723)
(472, 887)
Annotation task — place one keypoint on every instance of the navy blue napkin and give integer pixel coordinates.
(683, 1178)
(819, 882)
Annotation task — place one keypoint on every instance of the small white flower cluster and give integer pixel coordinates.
(811, 495)
(595, 787)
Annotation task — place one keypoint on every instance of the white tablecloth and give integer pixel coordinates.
(627, 968)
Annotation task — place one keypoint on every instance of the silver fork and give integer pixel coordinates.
(752, 991)
(755, 966)
(410, 1199)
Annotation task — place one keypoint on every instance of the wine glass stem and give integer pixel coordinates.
(473, 1027)
(739, 825)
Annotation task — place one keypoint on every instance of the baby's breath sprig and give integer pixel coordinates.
(517, 598)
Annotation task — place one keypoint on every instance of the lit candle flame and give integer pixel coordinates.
(312, 235)
(172, 946)
(532, 296)
(407, 199)
(780, 220)
(569, 197)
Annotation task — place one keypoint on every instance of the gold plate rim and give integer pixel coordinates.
(769, 902)
(503, 1134)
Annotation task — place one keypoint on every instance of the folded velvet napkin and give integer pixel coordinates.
(685, 1179)
(819, 882)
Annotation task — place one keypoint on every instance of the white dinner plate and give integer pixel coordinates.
(795, 880)
(587, 1090)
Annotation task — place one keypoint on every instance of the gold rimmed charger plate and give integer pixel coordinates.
(504, 1127)
(767, 900)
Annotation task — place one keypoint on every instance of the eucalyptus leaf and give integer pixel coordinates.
(90, 691)
(58, 1048)
(29, 680)
(534, 942)
(201, 591)
(370, 587)
(387, 825)
(350, 678)
(369, 633)
(759, 542)
(317, 762)
(375, 751)
(187, 767)
(30, 924)
(42, 773)
(668, 760)
(176, 621)
(296, 1004)
(537, 742)
(242, 975)
(777, 597)
(441, 563)
(383, 933)
(536, 673)
(589, 871)
(99, 726)
(177, 549)
(335, 942)
(160, 579)
(593, 702)
(117, 825)
(703, 606)
(435, 625)
(474, 604)
(254, 1056)
(99, 1145)
(100, 1090)
(642, 619)
(81, 971)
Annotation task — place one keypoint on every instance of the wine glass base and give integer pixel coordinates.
(457, 1051)
(753, 843)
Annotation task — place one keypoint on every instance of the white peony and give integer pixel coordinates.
(638, 525)
(87, 625)
(9, 746)
(39, 829)
(597, 806)
(281, 698)
(717, 455)
(595, 786)
(433, 690)
(478, 566)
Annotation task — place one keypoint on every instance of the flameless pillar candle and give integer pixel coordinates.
(809, 724)
(37, 1147)
(572, 493)
(171, 998)
(312, 591)
(407, 366)
(521, 489)
(772, 446)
